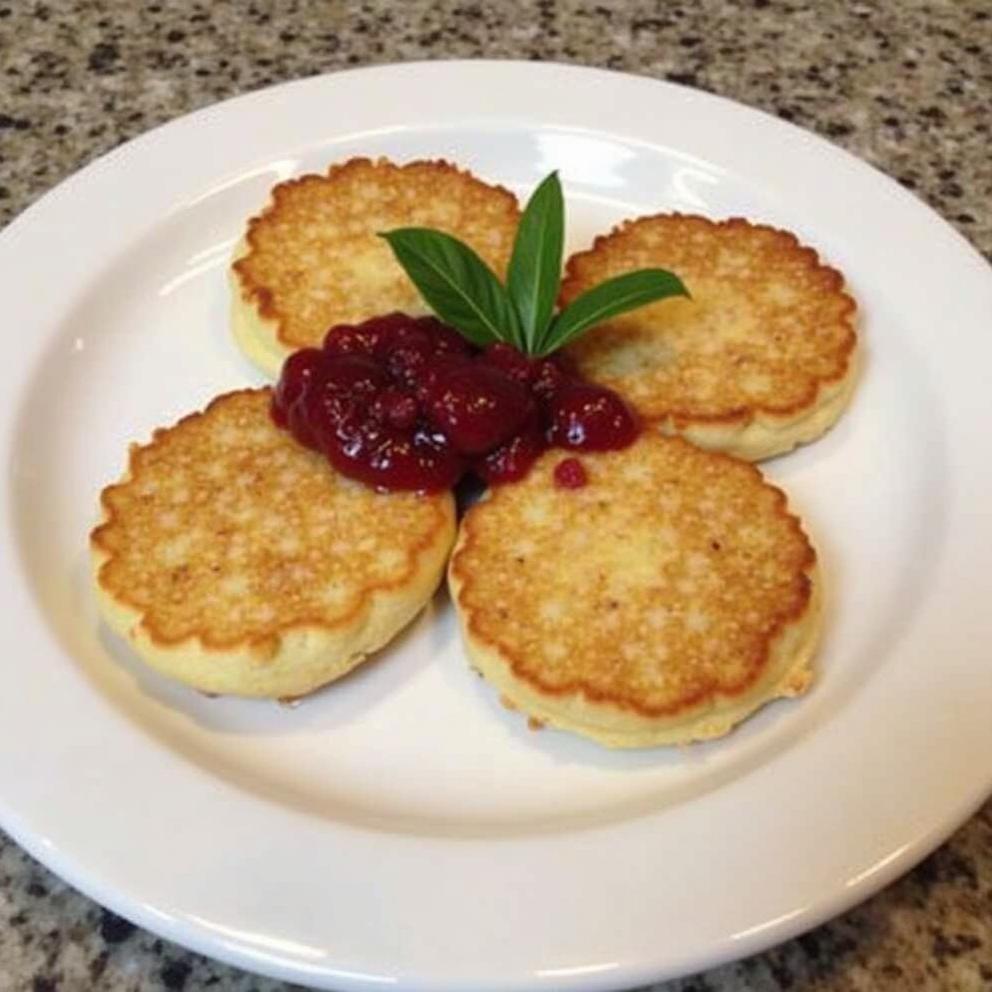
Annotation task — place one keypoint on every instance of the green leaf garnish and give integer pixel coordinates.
(534, 274)
(608, 299)
(458, 285)
(464, 292)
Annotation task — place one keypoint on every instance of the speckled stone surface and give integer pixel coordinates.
(906, 85)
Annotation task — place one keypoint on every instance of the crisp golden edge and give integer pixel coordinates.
(787, 671)
(256, 335)
(256, 328)
(756, 432)
(766, 435)
(299, 657)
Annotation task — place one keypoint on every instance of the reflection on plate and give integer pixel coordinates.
(400, 827)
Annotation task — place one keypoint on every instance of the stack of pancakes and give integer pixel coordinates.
(662, 602)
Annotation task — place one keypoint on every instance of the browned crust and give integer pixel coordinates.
(573, 285)
(260, 296)
(756, 663)
(267, 640)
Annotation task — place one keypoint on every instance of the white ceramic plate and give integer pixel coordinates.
(403, 828)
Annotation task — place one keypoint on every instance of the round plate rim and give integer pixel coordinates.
(26, 808)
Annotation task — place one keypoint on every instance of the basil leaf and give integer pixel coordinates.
(609, 299)
(535, 266)
(458, 285)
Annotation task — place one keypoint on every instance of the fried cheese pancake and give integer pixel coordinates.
(237, 561)
(661, 603)
(759, 360)
(313, 257)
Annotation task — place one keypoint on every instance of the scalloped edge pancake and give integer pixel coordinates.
(268, 317)
(741, 398)
(295, 647)
(643, 699)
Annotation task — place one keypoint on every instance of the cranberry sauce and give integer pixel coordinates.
(405, 402)
(570, 473)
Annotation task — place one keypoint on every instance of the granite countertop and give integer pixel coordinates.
(905, 85)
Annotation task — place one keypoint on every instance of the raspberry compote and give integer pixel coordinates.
(404, 402)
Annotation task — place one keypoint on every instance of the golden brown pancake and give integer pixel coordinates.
(237, 561)
(661, 603)
(760, 359)
(313, 257)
